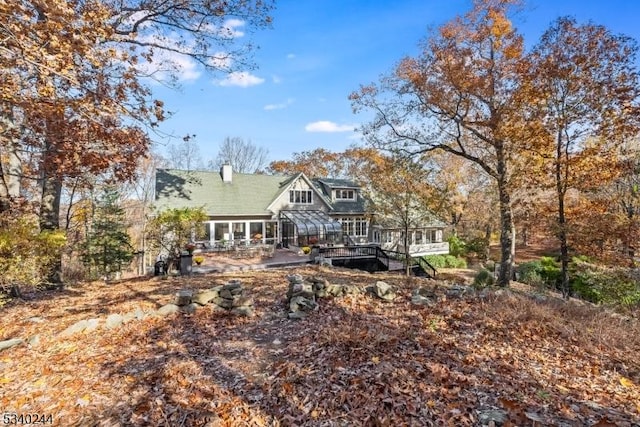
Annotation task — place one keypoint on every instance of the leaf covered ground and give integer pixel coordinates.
(355, 361)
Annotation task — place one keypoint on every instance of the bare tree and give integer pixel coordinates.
(243, 156)
(184, 155)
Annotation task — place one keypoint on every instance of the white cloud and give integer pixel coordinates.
(291, 55)
(327, 126)
(241, 79)
(276, 79)
(230, 29)
(166, 63)
(270, 107)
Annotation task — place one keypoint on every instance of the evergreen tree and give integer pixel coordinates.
(108, 246)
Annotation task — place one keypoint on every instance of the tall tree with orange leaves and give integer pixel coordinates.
(460, 96)
(585, 88)
(73, 95)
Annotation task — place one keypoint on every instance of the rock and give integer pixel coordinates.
(75, 328)
(382, 290)
(319, 283)
(457, 290)
(10, 343)
(190, 308)
(204, 297)
(334, 290)
(243, 311)
(301, 304)
(226, 294)
(35, 319)
(183, 297)
(34, 341)
(241, 301)
(295, 278)
(92, 325)
(237, 291)
(351, 290)
(322, 293)
(424, 296)
(301, 290)
(233, 284)
(128, 317)
(113, 321)
(216, 307)
(168, 309)
(297, 315)
(495, 416)
(226, 303)
(139, 314)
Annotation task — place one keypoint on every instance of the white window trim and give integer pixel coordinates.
(352, 195)
(298, 193)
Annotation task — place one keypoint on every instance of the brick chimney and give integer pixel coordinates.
(227, 173)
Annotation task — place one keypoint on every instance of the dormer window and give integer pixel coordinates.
(345, 195)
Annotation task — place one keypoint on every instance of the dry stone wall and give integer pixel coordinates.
(302, 294)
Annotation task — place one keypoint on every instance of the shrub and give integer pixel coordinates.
(170, 230)
(445, 261)
(550, 273)
(26, 254)
(457, 246)
(544, 272)
(600, 286)
(483, 279)
(477, 246)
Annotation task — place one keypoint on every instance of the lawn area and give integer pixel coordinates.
(470, 358)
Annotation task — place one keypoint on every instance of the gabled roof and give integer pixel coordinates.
(325, 185)
(246, 194)
(301, 176)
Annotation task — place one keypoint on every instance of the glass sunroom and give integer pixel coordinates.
(306, 228)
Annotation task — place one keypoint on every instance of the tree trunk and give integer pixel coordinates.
(407, 259)
(562, 152)
(10, 164)
(565, 286)
(507, 241)
(50, 218)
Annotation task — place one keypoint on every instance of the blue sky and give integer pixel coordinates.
(318, 52)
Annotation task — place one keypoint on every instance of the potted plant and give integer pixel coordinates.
(190, 247)
(198, 259)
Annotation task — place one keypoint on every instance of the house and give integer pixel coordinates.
(245, 209)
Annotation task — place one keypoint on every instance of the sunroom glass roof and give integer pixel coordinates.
(312, 222)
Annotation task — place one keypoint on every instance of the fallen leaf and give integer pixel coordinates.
(626, 382)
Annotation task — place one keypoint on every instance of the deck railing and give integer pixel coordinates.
(354, 252)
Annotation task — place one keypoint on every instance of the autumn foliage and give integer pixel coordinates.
(354, 361)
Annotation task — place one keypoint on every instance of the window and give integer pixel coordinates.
(418, 237)
(301, 196)
(432, 236)
(238, 230)
(354, 226)
(221, 231)
(345, 194)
